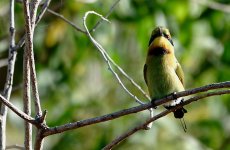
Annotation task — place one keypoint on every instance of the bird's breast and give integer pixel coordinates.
(162, 79)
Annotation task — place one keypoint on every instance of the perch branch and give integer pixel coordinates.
(107, 117)
(160, 115)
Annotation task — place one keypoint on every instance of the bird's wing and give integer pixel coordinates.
(145, 73)
(180, 73)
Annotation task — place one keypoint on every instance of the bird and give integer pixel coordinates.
(162, 72)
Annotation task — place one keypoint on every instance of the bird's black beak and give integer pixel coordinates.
(158, 33)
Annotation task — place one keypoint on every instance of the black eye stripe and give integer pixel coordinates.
(152, 38)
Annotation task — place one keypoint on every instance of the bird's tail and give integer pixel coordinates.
(178, 113)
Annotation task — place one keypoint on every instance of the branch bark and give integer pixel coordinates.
(86, 122)
(20, 113)
(142, 126)
(9, 79)
(38, 19)
(26, 74)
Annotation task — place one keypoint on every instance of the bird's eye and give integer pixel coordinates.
(167, 36)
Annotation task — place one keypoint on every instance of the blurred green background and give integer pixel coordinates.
(75, 83)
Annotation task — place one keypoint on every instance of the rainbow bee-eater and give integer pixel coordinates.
(162, 72)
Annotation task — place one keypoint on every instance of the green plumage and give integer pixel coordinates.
(162, 72)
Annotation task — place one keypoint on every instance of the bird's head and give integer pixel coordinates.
(160, 42)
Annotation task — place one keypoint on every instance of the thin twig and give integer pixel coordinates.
(109, 59)
(26, 74)
(107, 117)
(35, 3)
(160, 115)
(27, 101)
(40, 15)
(20, 113)
(37, 102)
(105, 55)
(66, 20)
(9, 79)
(106, 16)
(77, 27)
(34, 7)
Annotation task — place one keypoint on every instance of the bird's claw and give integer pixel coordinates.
(174, 95)
(153, 104)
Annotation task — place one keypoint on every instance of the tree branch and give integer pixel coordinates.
(26, 74)
(27, 101)
(38, 19)
(103, 118)
(160, 115)
(106, 16)
(9, 79)
(35, 4)
(20, 113)
(66, 20)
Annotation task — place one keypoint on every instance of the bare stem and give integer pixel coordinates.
(66, 20)
(107, 117)
(40, 15)
(34, 7)
(20, 113)
(27, 101)
(9, 79)
(106, 16)
(130, 132)
(39, 140)
(26, 74)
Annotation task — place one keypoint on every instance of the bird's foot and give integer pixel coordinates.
(153, 103)
(174, 95)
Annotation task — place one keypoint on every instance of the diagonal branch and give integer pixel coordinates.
(106, 16)
(9, 78)
(20, 113)
(142, 126)
(66, 20)
(107, 117)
